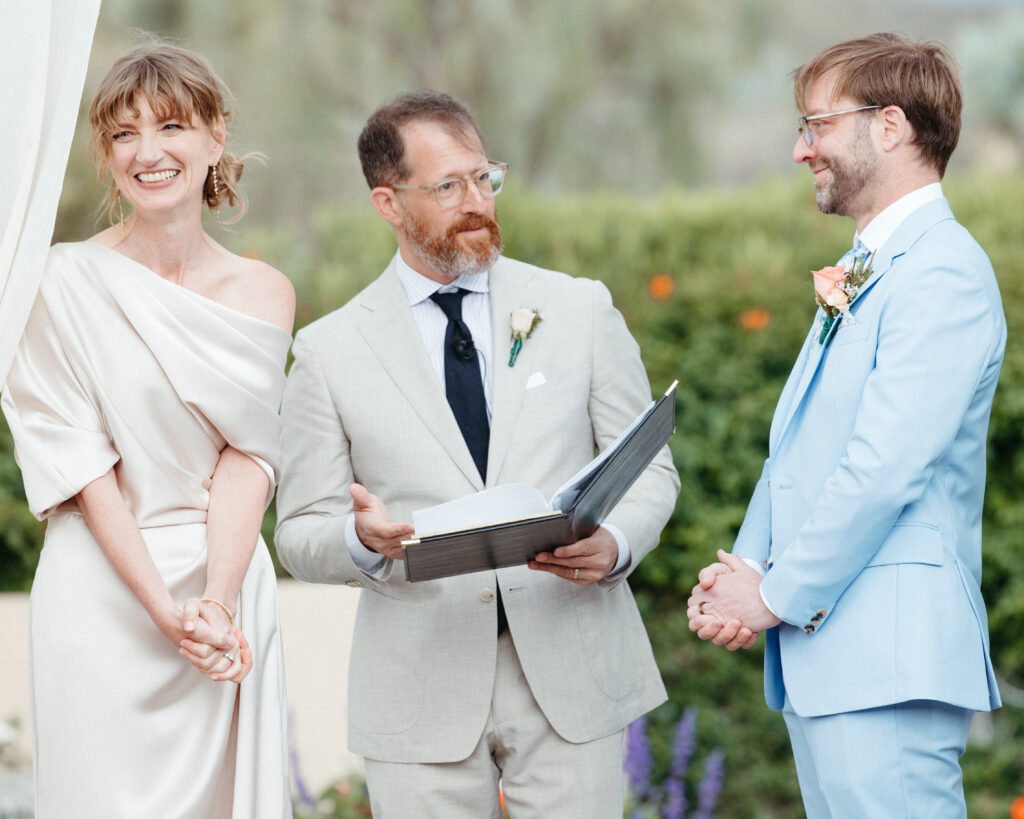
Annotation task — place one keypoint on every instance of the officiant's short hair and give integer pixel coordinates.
(923, 79)
(381, 146)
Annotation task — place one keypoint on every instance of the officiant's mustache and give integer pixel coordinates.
(473, 221)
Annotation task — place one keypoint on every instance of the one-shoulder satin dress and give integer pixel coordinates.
(120, 368)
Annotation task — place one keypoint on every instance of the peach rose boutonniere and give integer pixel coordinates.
(835, 289)
(524, 321)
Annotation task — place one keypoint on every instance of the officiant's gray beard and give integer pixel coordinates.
(443, 252)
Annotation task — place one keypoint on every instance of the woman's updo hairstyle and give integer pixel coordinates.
(178, 84)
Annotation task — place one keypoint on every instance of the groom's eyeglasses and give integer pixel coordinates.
(450, 192)
(806, 124)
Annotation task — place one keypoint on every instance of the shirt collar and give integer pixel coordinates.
(883, 226)
(419, 288)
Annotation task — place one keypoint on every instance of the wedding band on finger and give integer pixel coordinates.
(229, 657)
(700, 607)
(576, 573)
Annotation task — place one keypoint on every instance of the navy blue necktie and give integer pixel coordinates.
(463, 385)
(464, 389)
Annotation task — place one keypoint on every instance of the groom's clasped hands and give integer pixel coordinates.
(726, 606)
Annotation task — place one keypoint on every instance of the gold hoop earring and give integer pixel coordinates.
(120, 210)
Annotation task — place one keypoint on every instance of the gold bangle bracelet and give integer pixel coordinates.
(227, 611)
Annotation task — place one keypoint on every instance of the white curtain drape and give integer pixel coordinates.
(44, 53)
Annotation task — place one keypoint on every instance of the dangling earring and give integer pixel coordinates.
(216, 191)
(120, 210)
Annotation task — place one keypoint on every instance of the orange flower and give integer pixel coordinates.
(827, 278)
(1017, 808)
(661, 286)
(757, 318)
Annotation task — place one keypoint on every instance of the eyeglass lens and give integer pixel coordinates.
(489, 182)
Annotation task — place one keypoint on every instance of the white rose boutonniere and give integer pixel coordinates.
(524, 321)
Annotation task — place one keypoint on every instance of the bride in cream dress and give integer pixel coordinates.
(143, 402)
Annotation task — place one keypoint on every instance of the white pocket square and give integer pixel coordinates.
(535, 380)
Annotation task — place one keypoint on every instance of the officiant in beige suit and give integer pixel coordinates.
(411, 395)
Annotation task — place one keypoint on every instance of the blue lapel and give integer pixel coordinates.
(905, 236)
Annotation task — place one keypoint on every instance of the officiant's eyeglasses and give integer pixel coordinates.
(450, 192)
(807, 129)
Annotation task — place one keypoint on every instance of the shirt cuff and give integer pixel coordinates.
(625, 555)
(369, 561)
(767, 605)
(753, 564)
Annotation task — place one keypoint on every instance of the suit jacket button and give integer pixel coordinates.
(822, 612)
(487, 595)
(808, 629)
(766, 562)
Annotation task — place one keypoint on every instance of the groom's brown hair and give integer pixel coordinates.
(922, 79)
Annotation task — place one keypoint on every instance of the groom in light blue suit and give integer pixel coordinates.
(865, 527)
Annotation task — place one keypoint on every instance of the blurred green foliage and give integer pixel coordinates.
(715, 286)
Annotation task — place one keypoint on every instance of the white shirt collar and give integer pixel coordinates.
(419, 288)
(883, 226)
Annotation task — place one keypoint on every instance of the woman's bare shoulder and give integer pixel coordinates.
(256, 288)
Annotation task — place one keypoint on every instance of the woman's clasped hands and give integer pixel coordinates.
(214, 644)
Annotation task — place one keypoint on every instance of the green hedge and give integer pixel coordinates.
(737, 266)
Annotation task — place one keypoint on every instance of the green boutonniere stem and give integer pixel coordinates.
(825, 327)
(517, 345)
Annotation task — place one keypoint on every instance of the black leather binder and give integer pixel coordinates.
(581, 507)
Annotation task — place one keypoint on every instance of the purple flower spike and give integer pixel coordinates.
(685, 742)
(305, 797)
(675, 800)
(710, 784)
(637, 760)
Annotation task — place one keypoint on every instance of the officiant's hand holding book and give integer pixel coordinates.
(509, 525)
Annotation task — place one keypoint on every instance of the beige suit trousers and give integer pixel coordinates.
(541, 775)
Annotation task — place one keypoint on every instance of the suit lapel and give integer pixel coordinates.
(387, 326)
(511, 286)
(806, 364)
(909, 231)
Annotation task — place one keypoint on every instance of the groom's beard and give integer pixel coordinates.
(452, 254)
(851, 174)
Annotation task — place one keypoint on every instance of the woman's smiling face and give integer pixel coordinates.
(160, 162)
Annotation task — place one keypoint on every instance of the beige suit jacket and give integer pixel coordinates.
(362, 403)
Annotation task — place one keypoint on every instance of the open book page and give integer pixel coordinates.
(507, 525)
(511, 501)
(568, 491)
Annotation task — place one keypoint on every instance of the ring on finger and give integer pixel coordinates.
(576, 573)
(229, 657)
(700, 606)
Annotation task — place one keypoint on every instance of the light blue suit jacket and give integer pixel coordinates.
(867, 515)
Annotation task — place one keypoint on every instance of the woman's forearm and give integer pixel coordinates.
(237, 495)
(115, 530)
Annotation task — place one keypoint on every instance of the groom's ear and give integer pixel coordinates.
(385, 202)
